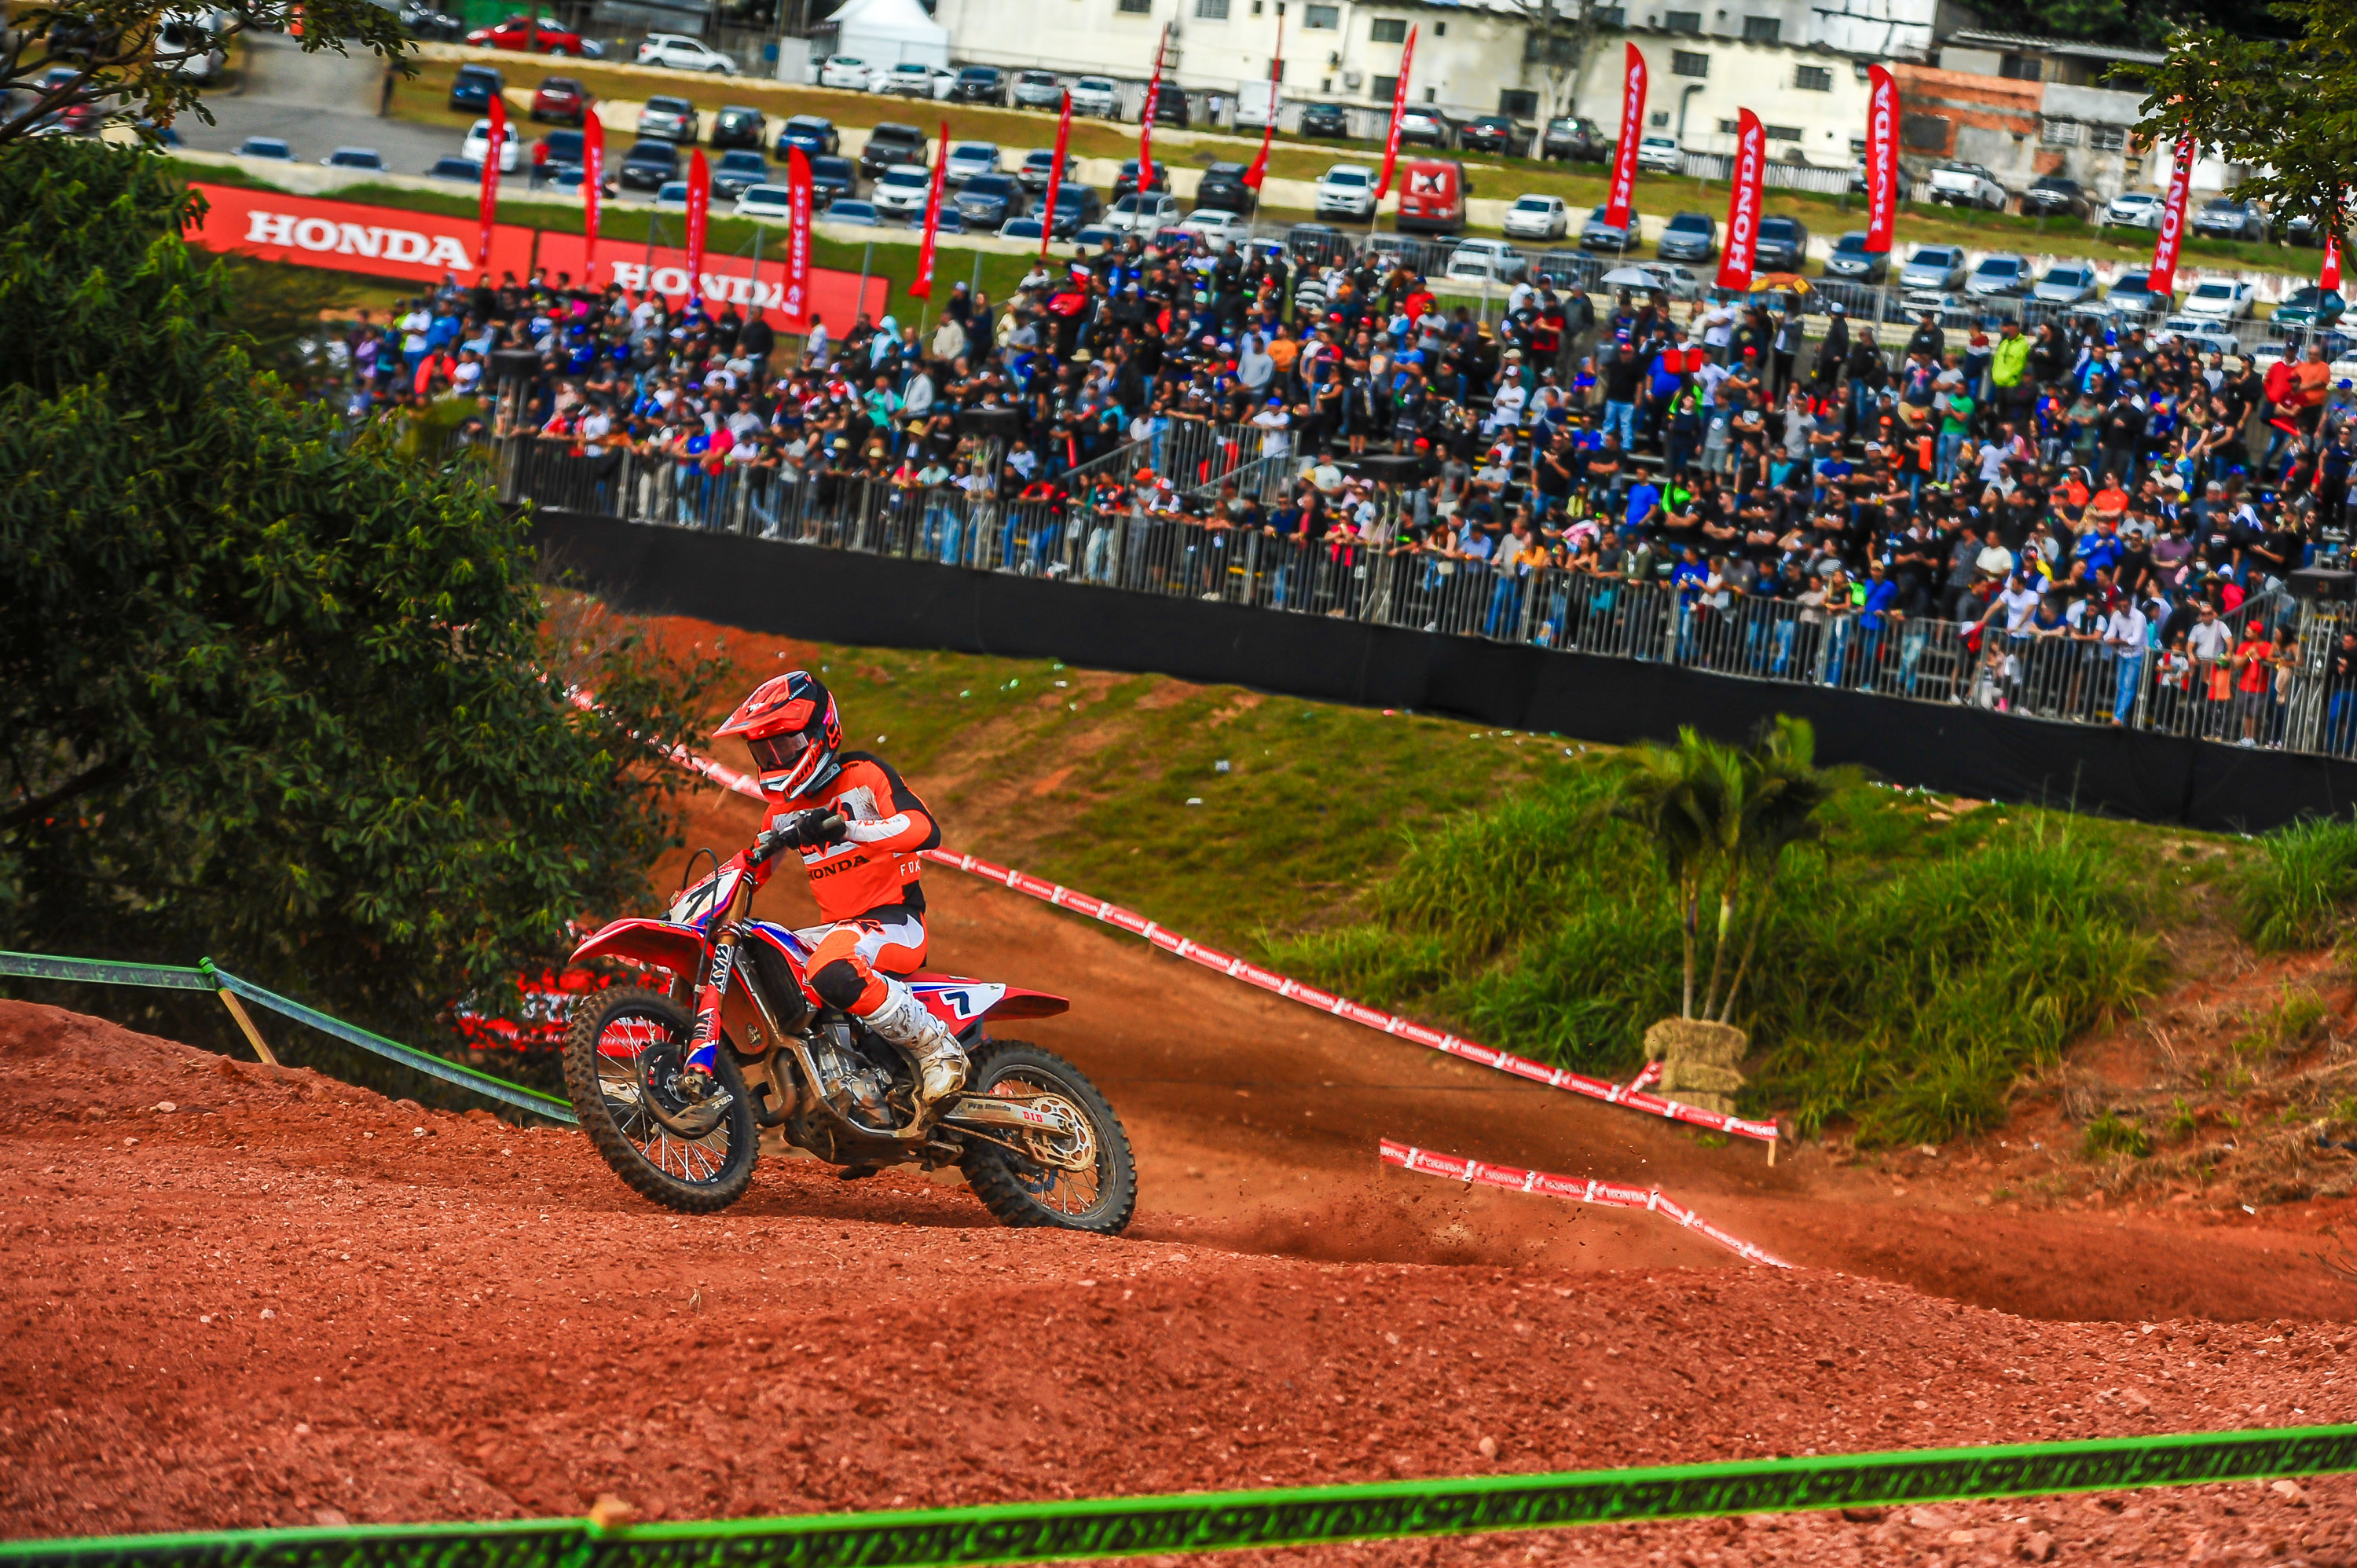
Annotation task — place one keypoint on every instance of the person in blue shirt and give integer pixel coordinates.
(1644, 505)
(2099, 546)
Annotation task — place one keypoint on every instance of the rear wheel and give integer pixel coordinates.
(1082, 1181)
(620, 1053)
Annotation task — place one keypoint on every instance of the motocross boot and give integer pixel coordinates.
(940, 1060)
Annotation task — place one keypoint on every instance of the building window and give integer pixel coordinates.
(1611, 16)
(1382, 89)
(2059, 133)
(1858, 146)
(1681, 63)
(1781, 132)
(2107, 138)
(1316, 17)
(1212, 10)
(2018, 67)
(1440, 30)
(1661, 118)
(1134, 7)
(1728, 128)
(1813, 79)
(1389, 30)
(1762, 30)
(1517, 102)
(1683, 22)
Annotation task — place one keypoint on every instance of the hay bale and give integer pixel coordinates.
(1697, 1040)
(1683, 1080)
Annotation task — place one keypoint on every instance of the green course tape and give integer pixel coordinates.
(1217, 1521)
(47, 966)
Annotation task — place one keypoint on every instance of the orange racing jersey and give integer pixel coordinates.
(875, 866)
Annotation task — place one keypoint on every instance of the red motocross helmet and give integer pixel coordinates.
(790, 724)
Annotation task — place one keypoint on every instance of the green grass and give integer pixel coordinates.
(2296, 892)
(2107, 1134)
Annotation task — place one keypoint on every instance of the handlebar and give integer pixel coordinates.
(802, 828)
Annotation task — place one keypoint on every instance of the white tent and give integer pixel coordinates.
(886, 33)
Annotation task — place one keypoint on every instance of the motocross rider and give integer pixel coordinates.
(863, 871)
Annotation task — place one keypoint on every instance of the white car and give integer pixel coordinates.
(1486, 261)
(1143, 213)
(845, 71)
(2133, 209)
(1662, 154)
(767, 203)
(1096, 95)
(186, 46)
(2066, 283)
(1221, 228)
(1347, 190)
(910, 78)
(478, 146)
(901, 190)
(677, 51)
(1967, 185)
(2221, 300)
(1537, 218)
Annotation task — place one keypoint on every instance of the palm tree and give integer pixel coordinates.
(1677, 796)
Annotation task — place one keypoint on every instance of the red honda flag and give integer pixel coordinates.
(1146, 121)
(1259, 170)
(796, 303)
(2331, 275)
(489, 204)
(1056, 174)
(1619, 195)
(1743, 202)
(699, 209)
(2170, 235)
(1882, 159)
(1399, 107)
(592, 190)
(923, 287)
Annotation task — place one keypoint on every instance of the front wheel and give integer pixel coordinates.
(1085, 1181)
(624, 1047)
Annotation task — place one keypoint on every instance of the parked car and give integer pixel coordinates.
(478, 146)
(901, 191)
(1143, 213)
(847, 71)
(810, 134)
(912, 80)
(649, 164)
(2066, 283)
(1320, 243)
(2309, 307)
(1039, 163)
(1036, 90)
(1689, 237)
(1170, 106)
(986, 200)
(2221, 300)
(560, 98)
(980, 84)
(672, 119)
(1999, 276)
(859, 214)
(1534, 217)
(555, 153)
(2232, 217)
(1217, 225)
(1078, 207)
(1782, 245)
(1222, 185)
(2300, 228)
(1325, 120)
(2133, 209)
(1967, 184)
(572, 177)
(1096, 95)
(767, 204)
(1499, 134)
(2056, 196)
(1662, 154)
(1345, 190)
(968, 159)
(369, 159)
(1851, 260)
(275, 147)
(1575, 140)
(677, 51)
(737, 172)
(671, 195)
(420, 20)
(2131, 295)
(889, 144)
(1126, 180)
(472, 89)
(737, 126)
(1596, 234)
(465, 170)
(1939, 269)
(1678, 283)
(1486, 261)
(1426, 128)
(833, 179)
(547, 36)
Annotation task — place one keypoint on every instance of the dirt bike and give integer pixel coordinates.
(1037, 1142)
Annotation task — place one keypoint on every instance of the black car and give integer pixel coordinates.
(1783, 246)
(1496, 133)
(737, 172)
(1077, 207)
(1320, 243)
(474, 88)
(1325, 120)
(2054, 196)
(1170, 106)
(649, 166)
(833, 178)
(555, 153)
(889, 144)
(979, 84)
(462, 169)
(1126, 183)
(810, 134)
(737, 126)
(989, 200)
(1574, 141)
(1223, 188)
(420, 20)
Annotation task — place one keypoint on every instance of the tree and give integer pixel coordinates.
(266, 695)
(126, 60)
(1558, 34)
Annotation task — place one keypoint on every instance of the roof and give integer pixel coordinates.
(2030, 43)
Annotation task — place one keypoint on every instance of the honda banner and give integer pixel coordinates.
(1146, 121)
(1744, 179)
(924, 285)
(1055, 173)
(593, 190)
(489, 206)
(699, 209)
(424, 248)
(2331, 277)
(800, 202)
(1621, 192)
(1881, 159)
(1256, 175)
(2170, 235)
(1399, 107)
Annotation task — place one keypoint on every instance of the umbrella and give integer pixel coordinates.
(1631, 277)
(1790, 283)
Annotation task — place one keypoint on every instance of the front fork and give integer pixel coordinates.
(704, 1042)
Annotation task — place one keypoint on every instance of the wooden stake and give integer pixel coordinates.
(253, 1036)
